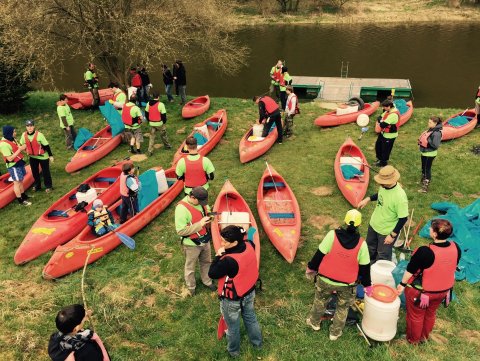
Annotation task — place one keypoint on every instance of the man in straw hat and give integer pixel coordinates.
(389, 216)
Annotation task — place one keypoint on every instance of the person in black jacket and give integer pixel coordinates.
(180, 77)
(146, 85)
(429, 142)
(168, 81)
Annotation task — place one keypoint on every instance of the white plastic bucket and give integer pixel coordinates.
(88, 196)
(257, 130)
(381, 273)
(161, 181)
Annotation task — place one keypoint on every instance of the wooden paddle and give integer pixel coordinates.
(273, 180)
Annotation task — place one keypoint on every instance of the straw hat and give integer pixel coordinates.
(387, 175)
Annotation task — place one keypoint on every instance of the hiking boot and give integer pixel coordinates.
(35, 189)
(48, 190)
(168, 146)
(425, 185)
(334, 337)
(150, 154)
(309, 323)
(139, 151)
(212, 287)
(191, 292)
(422, 179)
(132, 150)
(26, 203)
(378, 163)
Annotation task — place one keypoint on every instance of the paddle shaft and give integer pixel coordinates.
(273, 180)
(360, 162)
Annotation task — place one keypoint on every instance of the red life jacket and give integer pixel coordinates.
(238, 286)
(196, 217)
(14, 149)
(423, 140)
(137, 81)
(391, 128)
(341, 264)
(440, 276)
(154, 114)
(271, 105)
(126, 116)
(195, 175)
(33, 147)
(289, 104)
(124, 191)
(277, 74)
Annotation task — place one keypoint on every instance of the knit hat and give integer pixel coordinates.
(97, 203)
(233, 233)
(8, 132)
(387, 175)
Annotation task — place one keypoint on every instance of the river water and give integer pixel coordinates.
(441, 61)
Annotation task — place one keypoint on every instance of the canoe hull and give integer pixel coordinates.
(450, 132)
(196, 107)
(251, 150)
(84, 100)
(331, 119)
(7, 195)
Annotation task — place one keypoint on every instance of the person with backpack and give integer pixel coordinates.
(291, 109)
(132, 118)
(428, 143)
(156, 115)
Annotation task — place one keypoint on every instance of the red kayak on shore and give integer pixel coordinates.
(97, 147)
(72, 255)
(252, 147)
(279, 213)
(459, 124)
(331, 119)
(208, 134)
(7, 195)
(84, 100)
(60, 222)
(232, 209)
(196, 107)
(405, 117)
(351, 172)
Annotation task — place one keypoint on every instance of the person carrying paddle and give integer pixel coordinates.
(168, 81)
(100, 219)
(40, 155)
(388, 122)
(389, 216)
(119, 97)
(236, 267)
(194, 169)
(192, 223)
(91, 82)
(180, 78)
(340, 261)
(269, 113)
(429, 142)
(285, 80)
(66, 121)
(275, 76)
(428, 280)
(156, 115)
(132, 118)
(291, 109)
(129, 188)
(13, 157)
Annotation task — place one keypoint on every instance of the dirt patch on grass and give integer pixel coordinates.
(138, 157)
(158, 146)
(471, 336)
(147, 135)
(23, 291)
(475, 195)
(322, 191)
(224, 141)
(181, 130)
(457, 194)
(117, 292)
(438, 339)
(320, 222)
(160, 248)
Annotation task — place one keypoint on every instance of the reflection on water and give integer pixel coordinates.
(441, 61)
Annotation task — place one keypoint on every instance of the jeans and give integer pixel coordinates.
(427, 167)
(182, 89)
(168, 90)
(376, 247)
(231, 311)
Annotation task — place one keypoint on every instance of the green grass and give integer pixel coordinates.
(139, 320)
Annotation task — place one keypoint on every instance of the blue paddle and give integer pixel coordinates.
(126, 240)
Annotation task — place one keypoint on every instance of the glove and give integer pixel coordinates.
(424, 300)
(379, 118)
(368, 290)
(310, 274)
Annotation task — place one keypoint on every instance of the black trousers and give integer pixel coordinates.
(129, 206)
(383, 148)
(35, 164)
(427, 167)
(277, 119)
(283, 99)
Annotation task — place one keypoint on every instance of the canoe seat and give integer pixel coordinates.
(240, 219)
(105, 179)
(281, 215)
(88, 147)
(273, 184)
(73, 196)
(57, 213)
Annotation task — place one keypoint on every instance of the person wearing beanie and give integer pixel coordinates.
(73, 342)
(236, 267)
(156, 115)
(13, 158)
(40, 155)
(389, 123)
(100, 219)
(340, 261)
(389, 216)
(66, 121)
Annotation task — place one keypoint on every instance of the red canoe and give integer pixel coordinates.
(60, 222)
(94, 149)
(405, 117)
(216, 126)
(72, 255)
(84, 100)
(250, 150)
(331, 119)
(279, 213)
(7, 194)
(451, 132)
(196, 107)
(355, 188)
(232, 209)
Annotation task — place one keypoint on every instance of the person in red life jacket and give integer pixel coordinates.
(132, 118)
(389, 123)
(429, 142)
(156, 115)
(135, 80)
(194, 169)
(269, 113)
(291, 109)
(341, 260)
(236, 267)
(73, 342)
(119, 97)
(192, 223)
(13, 158)
(428, 280)
(129, 188)
(40, 155)
(275, 76)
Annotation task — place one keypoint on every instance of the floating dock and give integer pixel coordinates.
(337, 89)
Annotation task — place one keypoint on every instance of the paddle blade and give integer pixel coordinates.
(126, 240)
(222, 328)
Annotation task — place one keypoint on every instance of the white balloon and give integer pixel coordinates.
(363, 120)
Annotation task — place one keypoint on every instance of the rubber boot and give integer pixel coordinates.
(425, 185)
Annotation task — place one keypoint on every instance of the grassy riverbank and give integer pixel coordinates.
(134, 293)
(358, 11)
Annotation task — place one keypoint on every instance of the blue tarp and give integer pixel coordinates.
(459, 121)
(114, 119)
(149, 191)
(83, 135)
(466, 233)
(401, 105)
(349, 171)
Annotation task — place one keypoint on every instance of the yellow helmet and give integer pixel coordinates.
(353, 216)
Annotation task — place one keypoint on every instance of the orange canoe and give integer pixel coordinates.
(252, 149)
(196, 107)
(405, 117)
(94, 149)
(352, 159)
(72, 255)
(7, 195)
(60, 222)
(232, 209)
(331, 119)
(451, 131)
(84, 100)
(210, 131)
(279, 213)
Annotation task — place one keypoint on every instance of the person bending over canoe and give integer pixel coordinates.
(194, 169)
(388, 121)
(91, 82)
(66, 121)
(156, 115)
(269, 113)
(100, 219)
(129, 188)
(429, 142)
(340, 261)
(119, 97)
(132, 118)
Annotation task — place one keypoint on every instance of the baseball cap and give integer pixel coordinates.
(201, 195)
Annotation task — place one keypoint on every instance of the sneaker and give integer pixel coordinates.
(48, 190)
(168, 147)
(139, 151)
(212, 287)
(150, 154)
(333, 337)
(191, 292)
(309, 323)
(35, 189)
(26, 203)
